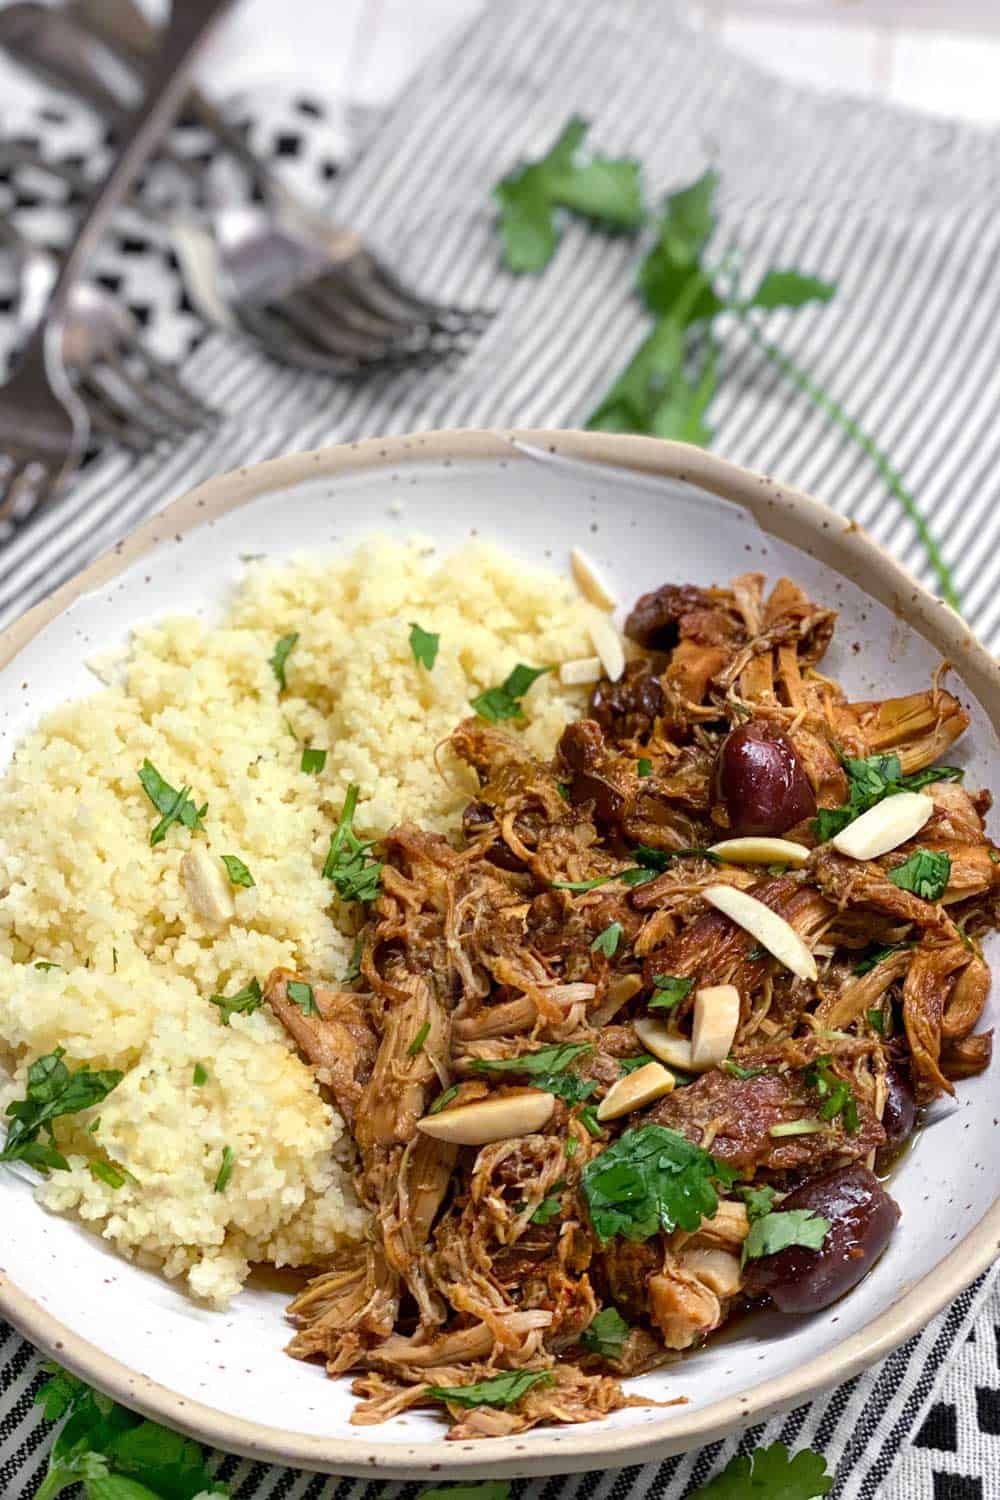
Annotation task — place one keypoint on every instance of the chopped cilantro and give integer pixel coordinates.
(548, 1209)
(643, 768)
(356, 875)
(353, 970)
(280, 656)
(876, 1019)
(500, 1390)
(547, 1069)
(237, 871)
(836, 1093)
(52, 1091)
(870, 781)
(777, 1230)
(875, 953)
(225, 1170)
(175, 806)
(312, 761)
(607, 941)
(926, 873)
(243, 1003)
(106, 1172)
(301, 994)
(670, 991)
(606, 1334)
(572, 1146)
(45, 966)
(650, 1179)
(589, 1120)
(759, 1200)
(424, 645)
(417, 1045)
(627, 1065)
(443, 1100)
(504, 702)
(200, 1075)
(737, 1070)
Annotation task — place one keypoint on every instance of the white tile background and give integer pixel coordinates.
(939, 55)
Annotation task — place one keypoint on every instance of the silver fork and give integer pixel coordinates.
(44, 425)
(131, 397)
(309, 290)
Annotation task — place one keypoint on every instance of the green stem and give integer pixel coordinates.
(891, 477)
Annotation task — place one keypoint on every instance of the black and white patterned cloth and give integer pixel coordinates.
(901, 211)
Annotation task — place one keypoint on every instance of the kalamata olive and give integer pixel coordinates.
(655, 620)
(628, 709)
(900, 1113)
(607, 800)
(581, 745)
(862, 1217)
(761, 780)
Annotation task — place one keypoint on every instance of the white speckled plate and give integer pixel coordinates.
(647, 512)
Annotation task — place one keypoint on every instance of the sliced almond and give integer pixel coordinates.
(885, 826)
(770, 930)
(632, 1092)
(716, 1017)
(608, 645)
(487, 1120)
(670, 1048)
(589, 581)
(581, 672)
(207, 885)
(761, 851)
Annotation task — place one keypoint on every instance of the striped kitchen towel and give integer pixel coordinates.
(902, 212)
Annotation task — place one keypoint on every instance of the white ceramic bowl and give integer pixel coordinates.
(647, 512)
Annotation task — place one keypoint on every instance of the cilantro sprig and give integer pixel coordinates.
(548, 1068)
(504, 702)
(670, 991)
(356, 874)
(606, 1334)
(926, 873)
(243, 1003)
(603, 189)
(278, 659)
(836, 1093)
(175, 806)
(51, 1093)
(424, 645)
(500, 1390)
(869, 782)
(237, 871)
(649, 1179)
(778, 1230)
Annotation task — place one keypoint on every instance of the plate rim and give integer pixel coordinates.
(782, 511)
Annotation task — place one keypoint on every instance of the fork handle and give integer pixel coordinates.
(181, 39)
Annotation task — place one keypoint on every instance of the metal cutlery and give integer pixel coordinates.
(310, 291)
(44, 425)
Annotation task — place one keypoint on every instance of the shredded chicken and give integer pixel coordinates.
(530, 955)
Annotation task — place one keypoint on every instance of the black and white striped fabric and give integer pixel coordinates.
(903, 213)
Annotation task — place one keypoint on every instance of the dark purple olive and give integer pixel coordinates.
(761, 780)
(656, 619)
(628, 709)
(608, 802)
(862, 1217)
(581, 745)
(900, 1113)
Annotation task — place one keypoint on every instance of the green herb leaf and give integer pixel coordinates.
(547, 1069)
(572, 1146)
(876, 1019)
(875, 953)
(353, 970)
(499, 1390)
(606, 1334)
(424, 645)
(443, 1100)
(237, 871)
(301, 994)
(45, 966)
(280, 656)
(52, 1092)
(504, 702)
(790, 289)
(605, 190)
(589, 1120)
(737, 1070)
(200, 1075)
(649, 1179)
(243, 1003)
(926, 873)
(777, 1230)
(685, 226)
(492, 1489)
(225, 1170)
(356, 875)
(548, 1209)
(175, 806)
(870, 781)
(104, 1171)
(417, 1045)
(627, 1065)
(835, 1092)
(643, 767)
(670, 991)
(607, 941)
(759, 1200)
(312, 761)
(770, 1474)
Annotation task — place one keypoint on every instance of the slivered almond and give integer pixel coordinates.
(670, 1048)
(770, 930)
(589, 581)
(885, 826)
(487, 1120)
(719, 1270)
(207, 885)
(582, 671)
(761, 851)
(716, 1017)
(608, 645)
(632, 1092)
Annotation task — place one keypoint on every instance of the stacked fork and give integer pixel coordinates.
(309, 292)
